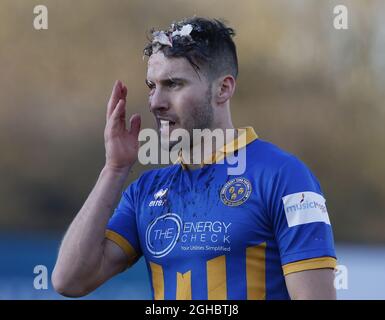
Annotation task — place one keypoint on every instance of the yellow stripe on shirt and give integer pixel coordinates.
(309, 264)
(124, 244)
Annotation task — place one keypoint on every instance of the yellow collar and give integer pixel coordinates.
(231, 147)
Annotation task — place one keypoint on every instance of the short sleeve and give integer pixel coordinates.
(122, 226)
(300, 219)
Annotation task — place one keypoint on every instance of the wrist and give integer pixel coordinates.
(116, 170)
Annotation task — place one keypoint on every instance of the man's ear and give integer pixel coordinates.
(225, 87)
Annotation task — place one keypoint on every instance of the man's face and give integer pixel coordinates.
(178, 95)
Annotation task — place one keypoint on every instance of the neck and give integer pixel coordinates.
(224, 125)
(202, 150)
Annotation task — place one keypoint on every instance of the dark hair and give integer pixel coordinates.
(209, 47)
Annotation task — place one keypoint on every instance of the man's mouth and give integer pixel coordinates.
(163, 123)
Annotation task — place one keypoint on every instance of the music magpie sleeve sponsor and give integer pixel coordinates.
(305, 207)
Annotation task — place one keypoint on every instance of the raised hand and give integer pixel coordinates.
(121, 143)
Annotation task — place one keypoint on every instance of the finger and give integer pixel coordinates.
(135, 122)
(124, 92)
(114, 98)
(118, 115)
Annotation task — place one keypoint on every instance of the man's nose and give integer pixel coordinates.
(158, 101)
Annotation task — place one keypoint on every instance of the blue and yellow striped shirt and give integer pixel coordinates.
(206, 234)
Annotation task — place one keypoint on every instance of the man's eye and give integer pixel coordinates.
(150, 85)
(173, 84)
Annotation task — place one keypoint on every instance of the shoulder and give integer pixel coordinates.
(278, 169)
(271, 157)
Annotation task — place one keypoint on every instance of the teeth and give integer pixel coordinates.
(166, 123)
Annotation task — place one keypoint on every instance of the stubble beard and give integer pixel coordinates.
(200, 117)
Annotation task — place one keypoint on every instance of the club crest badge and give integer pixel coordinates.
(235, 192)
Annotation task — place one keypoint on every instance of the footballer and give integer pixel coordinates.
(204, 233)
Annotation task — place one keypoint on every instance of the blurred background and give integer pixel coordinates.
(313, 90)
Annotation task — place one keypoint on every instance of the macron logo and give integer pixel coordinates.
(305, 207)
(158, 202)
